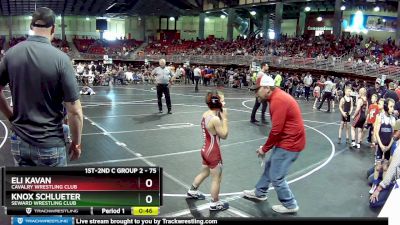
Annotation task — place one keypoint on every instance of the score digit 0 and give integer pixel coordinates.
(149, 183)
(149, 199)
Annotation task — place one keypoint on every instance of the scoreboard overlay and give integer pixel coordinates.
(82, 190)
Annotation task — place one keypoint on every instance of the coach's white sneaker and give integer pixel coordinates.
(252, 194)
(283, 209)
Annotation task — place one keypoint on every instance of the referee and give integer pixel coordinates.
(163, 80)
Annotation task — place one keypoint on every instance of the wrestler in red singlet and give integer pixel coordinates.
(210, 152)
(214, 125)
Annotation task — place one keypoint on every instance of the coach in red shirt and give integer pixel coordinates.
(287, 139)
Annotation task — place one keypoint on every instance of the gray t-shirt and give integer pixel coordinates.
(163, 75)
(41, 78)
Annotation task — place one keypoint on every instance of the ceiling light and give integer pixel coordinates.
(253, 13)
(307, 9)
(343, 8)
(319, 19)
(376, 9)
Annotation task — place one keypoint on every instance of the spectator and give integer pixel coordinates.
(86, 90)
(359, 118)
(278, 80)
(257, 103)
(383, 132)
(345, 108)
(391, 93)
(307, 85)
(377, 89)
(382, 192)
(317, 95)
(36, 118)
(197, 76)
(372, 113)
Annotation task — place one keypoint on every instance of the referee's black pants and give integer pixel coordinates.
(328, 97)
(163, 89)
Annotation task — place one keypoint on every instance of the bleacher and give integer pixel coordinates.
(58, 43)
(209, 46)
(322, 46)
(83, 44)
(102, 47)
(15, 40)
(171, 47)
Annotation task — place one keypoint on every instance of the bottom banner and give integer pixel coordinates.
(205, 221)
(230, 221)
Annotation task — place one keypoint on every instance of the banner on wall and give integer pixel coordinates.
(319, 28)
(381, 23)
(364, 23)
